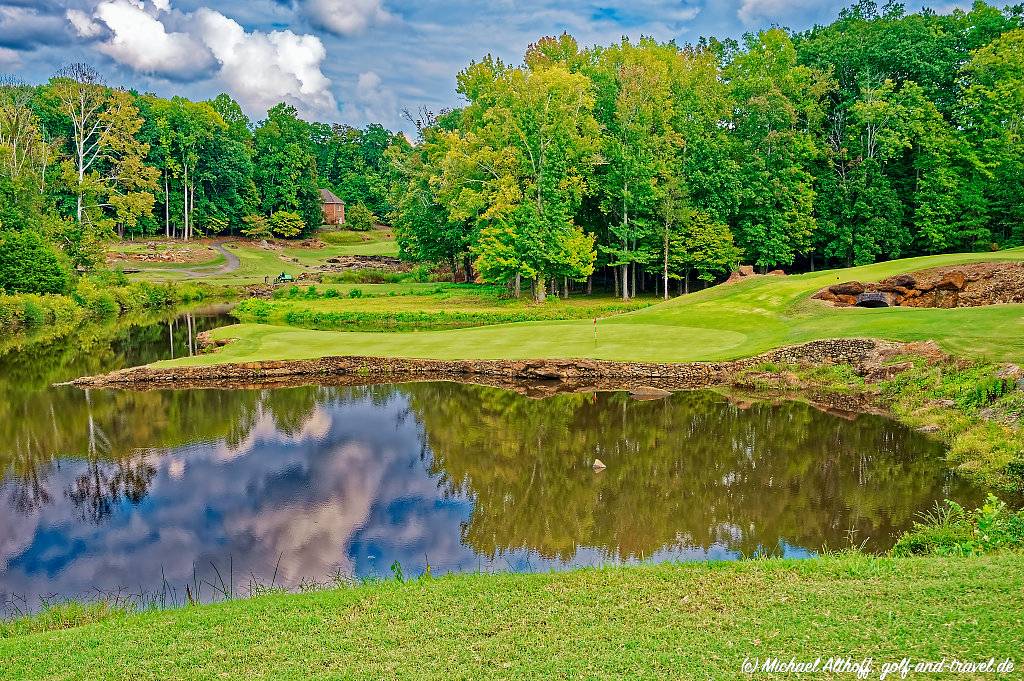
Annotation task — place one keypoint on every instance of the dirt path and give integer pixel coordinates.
(231, 264)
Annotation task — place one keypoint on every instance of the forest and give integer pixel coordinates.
(882, 135)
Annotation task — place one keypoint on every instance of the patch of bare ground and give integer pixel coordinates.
(972, 285)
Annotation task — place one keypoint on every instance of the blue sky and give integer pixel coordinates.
(352, 61)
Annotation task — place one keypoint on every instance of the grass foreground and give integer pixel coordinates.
(697, 620)
(720, 323)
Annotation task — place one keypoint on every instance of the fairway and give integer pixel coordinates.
(720, 323)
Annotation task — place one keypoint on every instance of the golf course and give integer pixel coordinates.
(723, 322)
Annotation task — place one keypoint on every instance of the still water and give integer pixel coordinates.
(138, 491)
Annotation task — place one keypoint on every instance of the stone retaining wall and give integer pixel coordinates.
(857, 352)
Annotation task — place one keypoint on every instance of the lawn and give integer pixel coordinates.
(724, 322)
(679, 621)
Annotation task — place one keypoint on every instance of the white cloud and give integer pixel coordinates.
(83, 24)
(778, 11)
(259, 69)
(371, 100)
(141, 41)
(347, 17)
(262, 69)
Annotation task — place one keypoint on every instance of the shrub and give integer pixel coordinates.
(360, 218)
(30, 264)
(286, 225)
(256, 226)
(949, 530)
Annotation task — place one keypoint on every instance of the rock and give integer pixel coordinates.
(646, 392)
(952, 281)
(932, 428)
(876, 299)
(776, 273)
(850, 288)
(887, 371)
(905, 281)
(944, 403)
(733, 278)
(746, 270)
(848, 301)
(825, 295)
(599, 465)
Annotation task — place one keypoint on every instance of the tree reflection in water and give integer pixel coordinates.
(120, 484)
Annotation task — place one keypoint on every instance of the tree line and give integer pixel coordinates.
(82, 162)
(885, 134)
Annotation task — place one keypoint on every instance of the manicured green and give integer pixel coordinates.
(723, 322)
(654, 621)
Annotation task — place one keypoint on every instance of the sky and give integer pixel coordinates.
(350, 61)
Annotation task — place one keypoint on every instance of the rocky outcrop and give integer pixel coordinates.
(625, 375)
(945, 287)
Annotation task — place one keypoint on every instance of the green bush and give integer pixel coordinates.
(286, 225)
(359, 218)
(949, 530)
(256, 226)
(30, 264)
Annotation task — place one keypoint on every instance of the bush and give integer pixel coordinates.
(360, 218)
(286, 225)
(30, 264)
(256, 227)
(949, 530)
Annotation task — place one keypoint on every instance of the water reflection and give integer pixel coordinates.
(119, 488)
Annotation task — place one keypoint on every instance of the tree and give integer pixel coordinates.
(256, 226)
(779, 113)
(993, 117)
(359, 218)
(286, 225)
(519, 170)
(106, 169)
(639, 146)
(704, 247)
(285, 171)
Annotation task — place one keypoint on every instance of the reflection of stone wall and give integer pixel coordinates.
(854, 351)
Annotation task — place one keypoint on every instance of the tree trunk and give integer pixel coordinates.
(633, 271)
(167, 207)
(184, 191)
(455, 268)
(625, 281)
(540, 290)
(467, 265)
(615, 277)
(665, 272)
(519, 285)
(565, 288)
(686, 288)
(590, 284)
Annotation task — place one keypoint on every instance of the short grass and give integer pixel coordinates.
(724, 322)
(692, 621)
(406, 306)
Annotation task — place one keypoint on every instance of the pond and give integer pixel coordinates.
(141, 492)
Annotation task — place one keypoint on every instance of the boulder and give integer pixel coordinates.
(599, 465)
(746, 270)
(850, 288)
(952, 281)
(845, 301)
(776, 273)
(906, 281)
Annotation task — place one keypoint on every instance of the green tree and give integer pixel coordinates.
(285, 171)
(778, 118)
